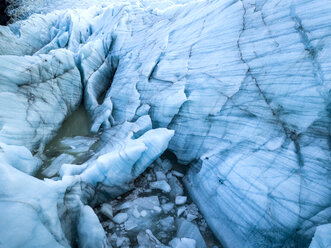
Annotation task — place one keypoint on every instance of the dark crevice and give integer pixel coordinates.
(312, 51)
(168, 154)
(114, 65)
(153, 70)
(4, 18)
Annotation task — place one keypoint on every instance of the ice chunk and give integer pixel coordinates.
(56, 164)
(157, 209)
(177, 173)
(166, 165)
(183, 243)
(122, 242)
(136, 213)
(111, 225)
(147, 202)
(20, 158)
(160, 176)
(125, 205)
(148, 240)
(162, 185)
(78, 144)
(189, 230)
(176, 186)
(180, 211)
(167, 207)
(90, 231)
(322, 237)
(167, 223)
(180, 200)
(107, 210)
(191, 217)
(129, 225)
(120, 218)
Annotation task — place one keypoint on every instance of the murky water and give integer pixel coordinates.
(73, 142)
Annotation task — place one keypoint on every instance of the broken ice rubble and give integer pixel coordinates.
(149, 217)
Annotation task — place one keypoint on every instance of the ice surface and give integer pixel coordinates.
(167, 207)
(245, 86)
(29, 206)
(120, 218)
(20, 158)
(56, 164)
(107, 210)
(183, 243)
(189, 230)
(180, 200)
(90, 231)
(36, 94)
(148, 240)
(78, 144)
(162, 185)
(322, 237)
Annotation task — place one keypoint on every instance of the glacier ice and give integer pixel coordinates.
(36, 94)
(56, 164)
(183, 243)
(162, 185)
(189, 230)
(29, 209)
(20, 158)
(180, 200)
(238, 90)
(90, 231)
(322, 237)
(107, 210)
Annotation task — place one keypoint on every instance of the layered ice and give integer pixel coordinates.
(36, 94)
(29, 214)
(322, 237)
(240, 90)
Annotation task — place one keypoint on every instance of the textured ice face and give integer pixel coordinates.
(22, 9)
(322, 237)
(36, 94)
(29, 205)
(245, 85)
